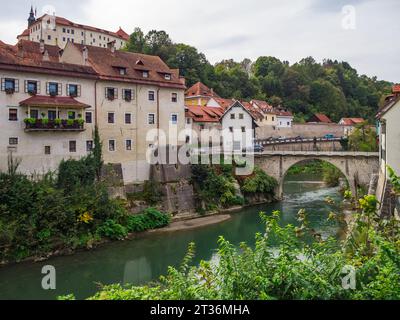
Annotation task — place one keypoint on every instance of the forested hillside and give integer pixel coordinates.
(306, 87)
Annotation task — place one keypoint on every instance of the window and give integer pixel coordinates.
(174, 97)
(47, 150)
(266, 118)
(174, 119)
(128, 118)
(48, 37)
(231, 129)
(88, 117)
(145, 74)
(127, 94)
(202, 127)
(35, 114)
(122, 71)
(241, 116)
(71, 115)
(187, 139)
(288, 124)
(167, 76)
(64, 30)
(68, 31)
(52, 115)
(273, 118)
(53, 88)
(13, 141)
(72, 146)
(111, 145)
(73, 31)
(237, 145)
(151, 95)
(128, 144)
(31, 87)
(89, 145)
(233, 116)
(73, 90)
(13, 114)
(188, 120)
(243, 129)
(152, 118)
(9, 85)
(111, 117)
(111, 93)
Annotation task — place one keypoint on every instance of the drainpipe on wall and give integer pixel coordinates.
(158, 117)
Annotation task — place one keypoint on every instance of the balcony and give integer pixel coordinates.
(43, 125)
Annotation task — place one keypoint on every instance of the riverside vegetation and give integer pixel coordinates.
(300, 265)
(41, 216)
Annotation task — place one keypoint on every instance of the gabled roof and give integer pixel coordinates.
(224, 103)
(320, 117)
(284, 113)
(122, 34)
(263, 105)
(256, 114)
(200, 90)
(241, 105)
(388, 106)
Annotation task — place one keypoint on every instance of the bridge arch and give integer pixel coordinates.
(280, 188)
(357, 167)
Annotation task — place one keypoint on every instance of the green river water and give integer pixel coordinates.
(145, 259)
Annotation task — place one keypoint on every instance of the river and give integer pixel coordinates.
(143, 260)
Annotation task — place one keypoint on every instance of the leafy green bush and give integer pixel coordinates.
(259, 182)
(112, 230)
(149, 219)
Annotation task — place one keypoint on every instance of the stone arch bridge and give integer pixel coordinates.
(357, 167)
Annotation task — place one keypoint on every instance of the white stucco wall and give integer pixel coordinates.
(391, 141)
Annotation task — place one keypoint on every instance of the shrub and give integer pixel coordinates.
(112, 230)
(259, 182)
(149, 219)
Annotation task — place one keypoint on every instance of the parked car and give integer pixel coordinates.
(257, 148)
(329, 136)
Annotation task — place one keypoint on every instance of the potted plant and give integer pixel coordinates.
(70, 122)
(45, 122)
(10, 90)
(81, 122)
(57, 122)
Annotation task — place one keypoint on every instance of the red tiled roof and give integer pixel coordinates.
(320, 117)
(122, 34)
(224, 103)
(396, 88)
(263, 105)
(62, 102)
(65, 22)
(107, 63)
(351, 121)
(200, 89)
(256, 114)
(24, 34)
(204, 114)
(26, 56)
(284, 113)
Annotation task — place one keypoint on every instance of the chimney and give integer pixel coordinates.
(111, 46)
(85, 55)
(46, 56)
(42, 49)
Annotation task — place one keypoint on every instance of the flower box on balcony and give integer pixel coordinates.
(10, 91)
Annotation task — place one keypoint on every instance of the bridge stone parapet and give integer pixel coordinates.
(357, 167)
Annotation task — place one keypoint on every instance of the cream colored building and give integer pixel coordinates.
(58, 31)
(269, 115)
(127, 95)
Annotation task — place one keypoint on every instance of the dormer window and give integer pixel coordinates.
(122, 71)
(139, 63)
(145, 74)
(167, 76)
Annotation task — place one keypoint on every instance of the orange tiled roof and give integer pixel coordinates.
(284, 113)
(263, 105)
(396, 88)
(200, 89)
(122, 34)
(24, 34)
(351, 121)
(256, 114)
(204, 114)
(320, 117)
(224, 103)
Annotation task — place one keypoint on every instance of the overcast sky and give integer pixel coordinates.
(363, 32)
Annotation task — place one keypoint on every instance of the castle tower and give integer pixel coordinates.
(31, 19)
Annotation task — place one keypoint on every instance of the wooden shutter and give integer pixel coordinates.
(79, 90)
(47, 87)
(106, 95)
(16, 85)
(38, 87)
(26, 86)
(124, 93)
(59, 89)
(3, 84)
(67, 89)
(116, 93)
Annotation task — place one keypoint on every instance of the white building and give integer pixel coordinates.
(238, 128)
(58, 31)
(284, 119)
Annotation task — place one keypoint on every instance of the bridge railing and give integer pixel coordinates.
(266, 142)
